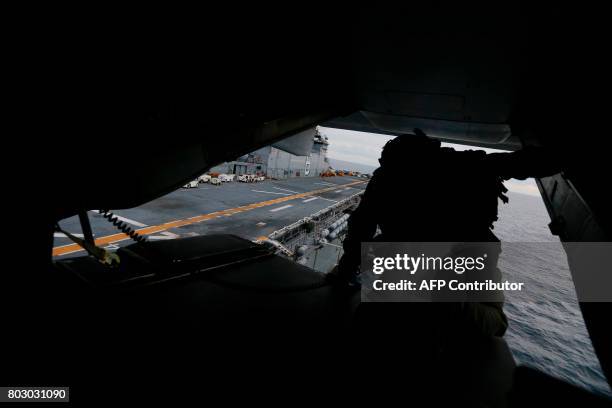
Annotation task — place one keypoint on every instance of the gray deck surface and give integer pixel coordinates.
(250, 222)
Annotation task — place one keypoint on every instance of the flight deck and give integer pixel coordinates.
(250, 210)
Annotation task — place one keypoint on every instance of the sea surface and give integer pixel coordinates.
(547, 330)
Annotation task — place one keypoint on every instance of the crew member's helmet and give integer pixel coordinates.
(397, 150)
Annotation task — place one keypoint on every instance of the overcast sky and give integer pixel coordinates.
(365, 148)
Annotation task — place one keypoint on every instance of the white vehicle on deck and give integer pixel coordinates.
(205, 178)
(191, 184)
(261, 178)
(244, 178)
(226, 177)
(215, 181)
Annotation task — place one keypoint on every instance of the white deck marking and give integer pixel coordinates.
(281, 208)
(270, 192)
(328, 199)
(327, 184)
(284, 189)
(348, 188)
(310, 199)
(164, 235)
(261, 224)
(129, 221)
(338, 191)
(62, 235)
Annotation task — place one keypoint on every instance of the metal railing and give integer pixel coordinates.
(308, 240)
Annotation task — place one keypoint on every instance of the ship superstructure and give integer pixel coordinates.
(276, 163)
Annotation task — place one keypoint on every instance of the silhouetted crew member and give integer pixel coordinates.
(423, 192)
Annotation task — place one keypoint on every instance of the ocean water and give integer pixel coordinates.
(546, 331)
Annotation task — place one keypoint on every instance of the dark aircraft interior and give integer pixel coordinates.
(142, 102)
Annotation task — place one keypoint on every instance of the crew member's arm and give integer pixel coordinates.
(524, 163)
(361, 228)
